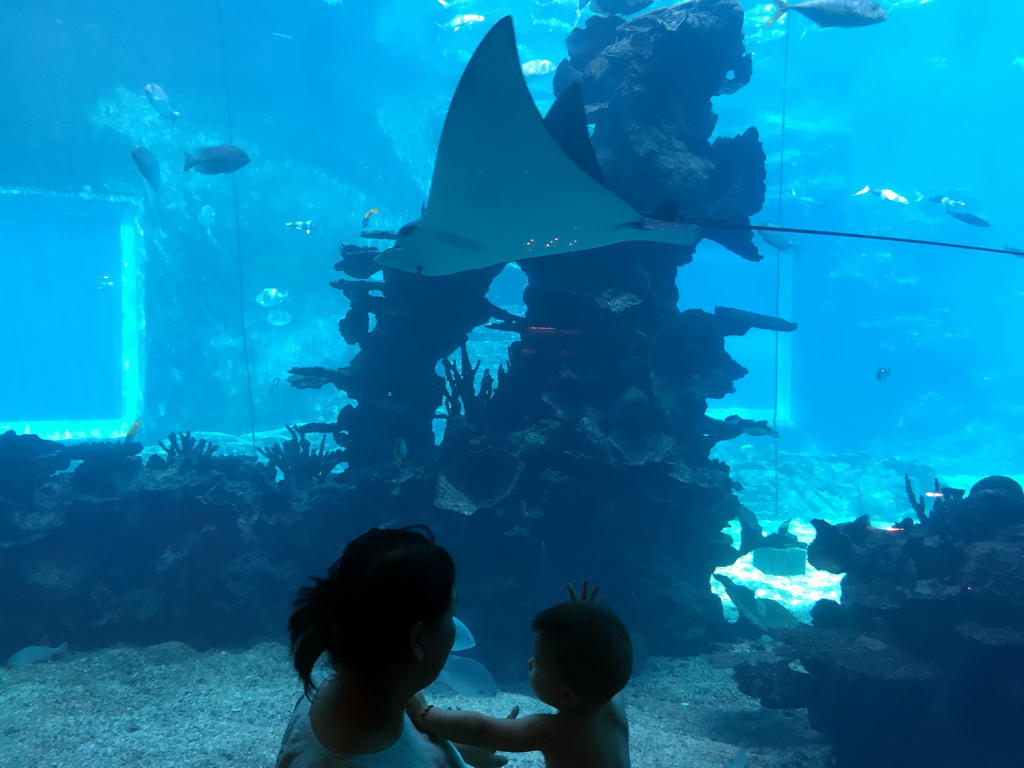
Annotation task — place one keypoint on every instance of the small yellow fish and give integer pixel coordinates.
(368, 215)
(538, 68)
(133, 430)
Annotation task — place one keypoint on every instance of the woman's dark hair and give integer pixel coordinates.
(590, 648)
(384, 582)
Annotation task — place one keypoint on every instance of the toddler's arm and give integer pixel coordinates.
(526, 734)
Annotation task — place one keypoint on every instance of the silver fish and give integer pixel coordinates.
(271, 297)
(279, 317)
(833, 13)
(207, 215)
(33, 654)
(779, 240)
(148, 166)
(159, 101)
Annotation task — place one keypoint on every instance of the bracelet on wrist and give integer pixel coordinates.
(423, 714)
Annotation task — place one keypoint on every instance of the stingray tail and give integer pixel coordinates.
(781, 7)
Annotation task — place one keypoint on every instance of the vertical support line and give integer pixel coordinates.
(238, 233)
(778, 262)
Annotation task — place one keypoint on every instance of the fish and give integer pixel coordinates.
(968, 218)
(509, 185)
(369, 215)
(207, 216)
(279, 317)
(833, 13)
(33, 654)
(805, 199)
(779, 240)
(309, 227)
(463, 637)
(159, 101)
(223, 158)
(538, 68)
(621, 7)
(949, 202)
(883, 373)
(133, 430)
(400, 451)
(952, 206)
(271, 297)
(148, 166)
(752, 427)
(464, 20)
(468, 677)
(885, 194)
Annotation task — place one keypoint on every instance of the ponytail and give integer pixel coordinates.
(360, 615)
(311, 626)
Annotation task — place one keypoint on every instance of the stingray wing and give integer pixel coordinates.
(500, 178)
(566, 121)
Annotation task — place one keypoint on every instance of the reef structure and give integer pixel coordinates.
(597, 422)
(922, 661)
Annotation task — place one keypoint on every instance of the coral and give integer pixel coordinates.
(461, 395)
(105, 464)
(28, 461)
(298, 463)
(183, 449)
(916, 502)
(930, 613)
(186, 454)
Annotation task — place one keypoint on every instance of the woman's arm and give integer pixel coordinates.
(526, 734)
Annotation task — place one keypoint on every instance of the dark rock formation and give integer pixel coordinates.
(598, 421)
(922, 662)
(26, 462)
(648, 85)
(192, 545)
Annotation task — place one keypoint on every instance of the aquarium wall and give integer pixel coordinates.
(75, 359)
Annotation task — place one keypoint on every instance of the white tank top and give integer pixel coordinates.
(414, 749)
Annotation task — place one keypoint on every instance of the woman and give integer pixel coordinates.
(383, 618)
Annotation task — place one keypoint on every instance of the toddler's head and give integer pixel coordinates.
(582, 656)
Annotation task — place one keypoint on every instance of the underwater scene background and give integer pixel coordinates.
(218, 403)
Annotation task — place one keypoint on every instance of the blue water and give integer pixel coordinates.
(119, 303)
(340, 107)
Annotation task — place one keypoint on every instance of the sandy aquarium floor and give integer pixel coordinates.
(169, 706)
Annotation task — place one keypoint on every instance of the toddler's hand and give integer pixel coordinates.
(478, 757)
(584, 598)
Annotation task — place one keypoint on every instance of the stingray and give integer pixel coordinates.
(509, 185)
